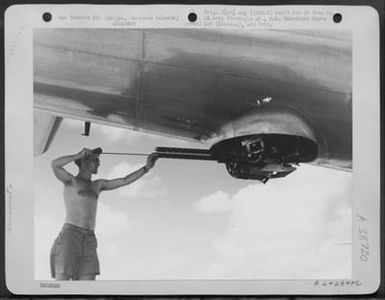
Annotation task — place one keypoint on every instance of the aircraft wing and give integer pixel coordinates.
(206, 85)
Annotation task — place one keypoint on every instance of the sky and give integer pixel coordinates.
(192, 220)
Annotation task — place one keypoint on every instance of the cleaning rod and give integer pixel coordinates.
(121, 153)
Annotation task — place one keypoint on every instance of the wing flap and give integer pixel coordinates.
(45, 126)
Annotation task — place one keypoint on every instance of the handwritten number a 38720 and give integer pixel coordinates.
(363, 236)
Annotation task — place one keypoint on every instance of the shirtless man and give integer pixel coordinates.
(73, 254)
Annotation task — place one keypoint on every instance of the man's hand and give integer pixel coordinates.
(85, 152)
(151, 160)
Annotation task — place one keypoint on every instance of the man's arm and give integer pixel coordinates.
(59, 163)
(105, 185)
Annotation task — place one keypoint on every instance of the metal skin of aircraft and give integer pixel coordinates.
(264, 100)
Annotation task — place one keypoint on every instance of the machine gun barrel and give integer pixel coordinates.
(185, 156)
(182, 150)
(184, 153)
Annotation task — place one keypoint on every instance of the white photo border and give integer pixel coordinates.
(20, 20)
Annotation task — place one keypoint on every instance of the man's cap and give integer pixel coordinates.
(97, 151)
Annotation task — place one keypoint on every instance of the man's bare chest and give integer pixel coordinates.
(83, 189)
